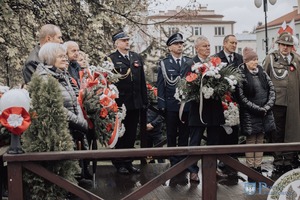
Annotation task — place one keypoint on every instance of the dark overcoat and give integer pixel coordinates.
(132, 88)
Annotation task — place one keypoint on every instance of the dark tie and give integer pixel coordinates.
(178, 62)
(286, 60)
(230, 59)
(126, 58)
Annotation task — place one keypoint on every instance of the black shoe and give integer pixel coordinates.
(221, 165)
(182, 178)
(85, 183)
(133, 170)
(123, 171)
(173, 182)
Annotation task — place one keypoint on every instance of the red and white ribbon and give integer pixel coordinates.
(15, 119)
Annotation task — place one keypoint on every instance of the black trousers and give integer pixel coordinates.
(177, 132)
(196, 134)
(277, 136)
(128, 139)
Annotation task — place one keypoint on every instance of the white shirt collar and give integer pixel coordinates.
(227, 55)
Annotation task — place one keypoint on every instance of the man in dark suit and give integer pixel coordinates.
(212, 113)
(132, 93)
(170, 70)
(228, 55)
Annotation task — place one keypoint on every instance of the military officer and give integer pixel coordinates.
(132, 93)
(283, 67)
(170, 70)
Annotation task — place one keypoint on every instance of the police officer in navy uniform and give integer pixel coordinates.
(132, 93)
(170, 70)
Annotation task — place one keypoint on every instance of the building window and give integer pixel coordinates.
(218, 49)
(239, 50)
(173, 30)
(219, 30)
(197, 31)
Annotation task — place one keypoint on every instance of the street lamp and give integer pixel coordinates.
(258, 3)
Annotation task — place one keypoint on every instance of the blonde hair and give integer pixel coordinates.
(49, 52)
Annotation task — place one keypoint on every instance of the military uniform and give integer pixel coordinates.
(168, 69)
(132, 93)
(285, 75)
(132, 88)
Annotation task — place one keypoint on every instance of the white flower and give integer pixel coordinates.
(207, 92)
(217, 76)
(15, 120)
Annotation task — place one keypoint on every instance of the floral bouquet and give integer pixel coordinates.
(212, 79)
(97, 100)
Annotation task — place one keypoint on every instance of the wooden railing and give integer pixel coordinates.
(208, 154)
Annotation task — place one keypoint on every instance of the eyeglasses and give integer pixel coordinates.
(62, 56)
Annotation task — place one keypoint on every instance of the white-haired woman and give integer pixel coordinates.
(54, 57)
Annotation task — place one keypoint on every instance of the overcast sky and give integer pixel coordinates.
(244, 12)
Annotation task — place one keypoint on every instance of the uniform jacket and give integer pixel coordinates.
(132, 89)
(31, 64)
(237, 60)
(252, 108)
(165, 91)
(74, 114)
(287, 90)
(212, 113)
(155, 119)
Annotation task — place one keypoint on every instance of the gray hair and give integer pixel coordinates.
(48, 29)
(200, 39)
(70, 43)
(49, 52)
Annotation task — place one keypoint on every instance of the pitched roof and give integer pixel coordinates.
(287, 18)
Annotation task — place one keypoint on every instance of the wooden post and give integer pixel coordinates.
(15, 184)
(209, 180)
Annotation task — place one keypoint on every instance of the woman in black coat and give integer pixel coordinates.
(256, 98)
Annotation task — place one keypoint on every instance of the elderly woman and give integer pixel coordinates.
(55, 60)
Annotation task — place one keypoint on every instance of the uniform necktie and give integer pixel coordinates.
(286, 60)
(230, 58)
(126, 58)
(178, 62)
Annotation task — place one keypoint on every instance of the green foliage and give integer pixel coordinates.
(48, 132)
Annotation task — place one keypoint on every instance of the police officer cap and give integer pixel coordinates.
(285, 38)
(120, 35)
(177, 37)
